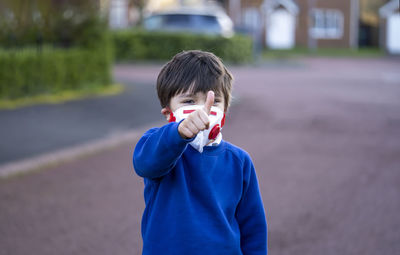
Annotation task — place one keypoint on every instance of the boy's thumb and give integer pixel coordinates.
(209, 102)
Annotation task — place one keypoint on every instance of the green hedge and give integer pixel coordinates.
(27, 72)
(131, 45)
(62, 24)
(51, 46)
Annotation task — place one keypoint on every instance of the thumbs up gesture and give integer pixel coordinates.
(198, 120)
(209, 102)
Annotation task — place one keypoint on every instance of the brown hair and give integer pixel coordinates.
(194, 71)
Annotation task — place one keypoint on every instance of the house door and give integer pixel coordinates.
(393, 34)
(280, 32)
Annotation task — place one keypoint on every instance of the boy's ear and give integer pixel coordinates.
(166, 112)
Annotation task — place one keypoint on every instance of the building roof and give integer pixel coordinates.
(389, 8)
(290, 5)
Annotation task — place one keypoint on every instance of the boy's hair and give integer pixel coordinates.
(194, 71)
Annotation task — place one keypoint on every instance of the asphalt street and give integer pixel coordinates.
(31, 131)
(324, 135)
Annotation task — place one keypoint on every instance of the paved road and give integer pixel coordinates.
(325, 138)
(32, 131)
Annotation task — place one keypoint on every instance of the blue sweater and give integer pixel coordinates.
(198, 203)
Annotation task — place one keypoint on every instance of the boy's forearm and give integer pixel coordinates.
(251, 216)
(254, 241)
(253, 231)
(158, 150)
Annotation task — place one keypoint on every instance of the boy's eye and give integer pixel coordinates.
(189, 101)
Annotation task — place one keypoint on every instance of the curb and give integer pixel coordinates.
(68, 154)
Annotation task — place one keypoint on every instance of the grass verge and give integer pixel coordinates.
(323, 52)
(61, 97)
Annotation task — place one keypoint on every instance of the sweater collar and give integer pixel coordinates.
(211, 150)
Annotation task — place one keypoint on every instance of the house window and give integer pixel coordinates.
(326, 24)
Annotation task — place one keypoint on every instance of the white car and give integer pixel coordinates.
(194, 20)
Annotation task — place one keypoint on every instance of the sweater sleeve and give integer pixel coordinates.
(157, 152)
(251, 216)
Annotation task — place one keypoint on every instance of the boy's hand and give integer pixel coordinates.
(198, 120)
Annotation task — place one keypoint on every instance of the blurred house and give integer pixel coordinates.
(390, 27)
(284, 24)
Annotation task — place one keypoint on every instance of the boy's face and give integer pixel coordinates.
(187, 98)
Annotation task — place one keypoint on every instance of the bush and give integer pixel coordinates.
(131, 45)
(61, 24)
(29, 72)
(51, 46)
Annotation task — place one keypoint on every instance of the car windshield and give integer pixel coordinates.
(195, 23)
(176, 20)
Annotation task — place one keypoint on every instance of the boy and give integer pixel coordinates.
(201, 192)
